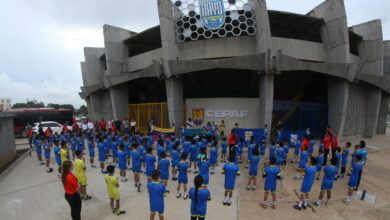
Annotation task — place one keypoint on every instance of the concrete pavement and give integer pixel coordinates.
(28, 192)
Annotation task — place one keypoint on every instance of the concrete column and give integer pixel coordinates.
(89, 107)
(373, 101)
(266, 86)
(263, 35)
(335, 39)
(383, 111)
(338, 95)
(175, 100)
(119, 100)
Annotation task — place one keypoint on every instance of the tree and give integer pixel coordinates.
(67, 106)
(30, 104)
(55, 106)
(82, 111)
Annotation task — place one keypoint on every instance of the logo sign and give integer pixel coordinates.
(198, 116)
(248, 135)
(212, 13)
(224, 113)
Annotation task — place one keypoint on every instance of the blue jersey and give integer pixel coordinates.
(279, 155)
(193, 153)
(250, 150)
(311, 147)
(199, 207)
(286, 149)
(262, 149)
(330, 173)
(297, 148)
(240, 147)
(254, 165)
(363, 153)
(157, 192)
(91, 149)
(160, 150)
(102, 152)
(320, 161)
(57, 156)
(186, 147)
(338, 158)
(164, 169)
(213, 155)
(321, 147)
(46, 149)
(150, 166)
(310, 174)
(182, 176)
(303, 159)
(344, 160)
(141, 150)
(224, 147)
(271, 152)
(114, 147)
(231, 170)
(135, 161)
(204, 170)
(122, 160)
(355, 170)
(271, 174)
(175, 154)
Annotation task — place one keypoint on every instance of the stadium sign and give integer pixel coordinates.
(224, 113)
(212, 13)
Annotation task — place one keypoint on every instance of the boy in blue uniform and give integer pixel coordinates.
(286, 149)
(251, 146)
(271, 175)
(136, 166)
(175, 156)
(47, 151)
(157, 192)
(320, 161)
(311, 145)
(114, 150)
(330, 173)
(193, 155)
(182, 167)
(240, 149)
(297, 148)
(302, 163)
(91, 150)
(102, 155)
(204, 165)
(57, 156)
(279, 155)
(224, 150)
(163, 167)
(231, 170)
(271, 150)
(344, 159)
(308, 180)
(122, 159)
(199, 197)
(38, 148)
(353, 183)
(263, 146)
(150, 161)
(213, 157)
(253, 168)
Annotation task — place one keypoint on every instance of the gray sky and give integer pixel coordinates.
(41, 41)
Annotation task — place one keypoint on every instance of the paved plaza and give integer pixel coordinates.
(28, 192)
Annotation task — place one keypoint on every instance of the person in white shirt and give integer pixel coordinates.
(84, 126)
(190, 124)
(90, 126)
(133, 123)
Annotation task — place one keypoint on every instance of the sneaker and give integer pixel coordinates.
(327, 204)
(246, 166)
(304, 206)
(225, 202)
(173, 178)
(178, 195)
(248, 187)
(113, 211)
(347, 201)
(87, 197)
(229, 203)
(103, 171)
(297, 207)
(317, 204)
(185, 196)
(296, 177)
(254, 188)
(195, 172)
(119, 212)
(93, 166)
(317, 178)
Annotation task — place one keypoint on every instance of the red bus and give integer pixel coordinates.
(35, 115)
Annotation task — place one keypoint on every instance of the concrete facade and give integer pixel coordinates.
(7, 140)
(355, 61)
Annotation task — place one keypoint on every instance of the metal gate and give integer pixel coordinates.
(142, 113)
(297, 116)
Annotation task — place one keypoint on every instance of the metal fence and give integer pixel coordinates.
(297, 116)
(142, 113)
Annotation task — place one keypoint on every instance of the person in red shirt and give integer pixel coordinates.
(71, 190)
(103, 124)
(65, 127)
(334, 144)
(48, 132)
(75, 127)
(232, 140)
(327, 141)
(29, 133)
(305, 143)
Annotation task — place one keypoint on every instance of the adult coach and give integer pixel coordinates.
(71, 190)
(232, 140)
(327, 142)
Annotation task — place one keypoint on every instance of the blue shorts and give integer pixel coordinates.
(58, 160)
(149, 172)
(326, 185)
(39, 152)
(224, 150)
(253, 172)
(270, 188)
(206, 178)
(91, 153)
(122, 166)
(102, 157)
(306, 188)
(352, 184)
(296, 151)
(301, 165)
(229, 186)
(182, 180)
(193, 158)
(174, 164)
(164, 176)
(136, 169)
(157, 209)
(47, 155)
(319, 168)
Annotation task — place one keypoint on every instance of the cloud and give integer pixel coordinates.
(47, 91)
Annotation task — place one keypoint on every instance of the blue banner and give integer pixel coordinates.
(246, 133)
(291, 136)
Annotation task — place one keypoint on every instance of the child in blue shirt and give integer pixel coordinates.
(263, 146)
(182, 179)
(279, 155)
(204, 166)
(57, 156)
(213, 157)
(231, 170)
(297, 148)
(199, 197)
(251, 146)
(253, 168)
(91, 150)
(353, 182)
(163, 167)
(330, 173)
(271, 150)
(157, 192)
(102, 155)
(193, 156)
(271, 174)
(338, 158)
(286, 149)
(224, 150)
(320, 161)
(150, 161)
(114, 151)
(302, 163)
(122, 159)
(308, 180)
(344, 159)
(47, 151)
(175, 159)
(136, 165)
(240, 149)
(311, 146)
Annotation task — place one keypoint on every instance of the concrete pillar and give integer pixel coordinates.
(383, 111)
(373, 101)
(94, 67)
(175, 100)
(335, 39)
(89, 107)
(119, 100)
(96, 106)
(266, 86)
(263, 35)
(338, 95)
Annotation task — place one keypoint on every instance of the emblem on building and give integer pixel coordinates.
(198, 116)
(212, 13)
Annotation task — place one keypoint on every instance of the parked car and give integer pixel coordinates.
(55, 126)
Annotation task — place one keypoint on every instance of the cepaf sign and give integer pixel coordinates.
(226, 113)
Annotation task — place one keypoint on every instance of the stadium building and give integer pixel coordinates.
(237, 61)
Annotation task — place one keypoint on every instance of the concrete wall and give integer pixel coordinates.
(299, 49)
(338, 96)
(251, 105)
(142, 61)
(383, 112)
(7, 140)
(94, 67)
(356, 112)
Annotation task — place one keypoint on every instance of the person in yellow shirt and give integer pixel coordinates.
(64, 155)
(113, 190)
(79, 167)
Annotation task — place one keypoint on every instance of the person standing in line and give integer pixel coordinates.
(327, 141)
(199, 197)
(70, 184)
(133, 125)
(222, 128)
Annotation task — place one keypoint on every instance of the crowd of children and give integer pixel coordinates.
(166, 157)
